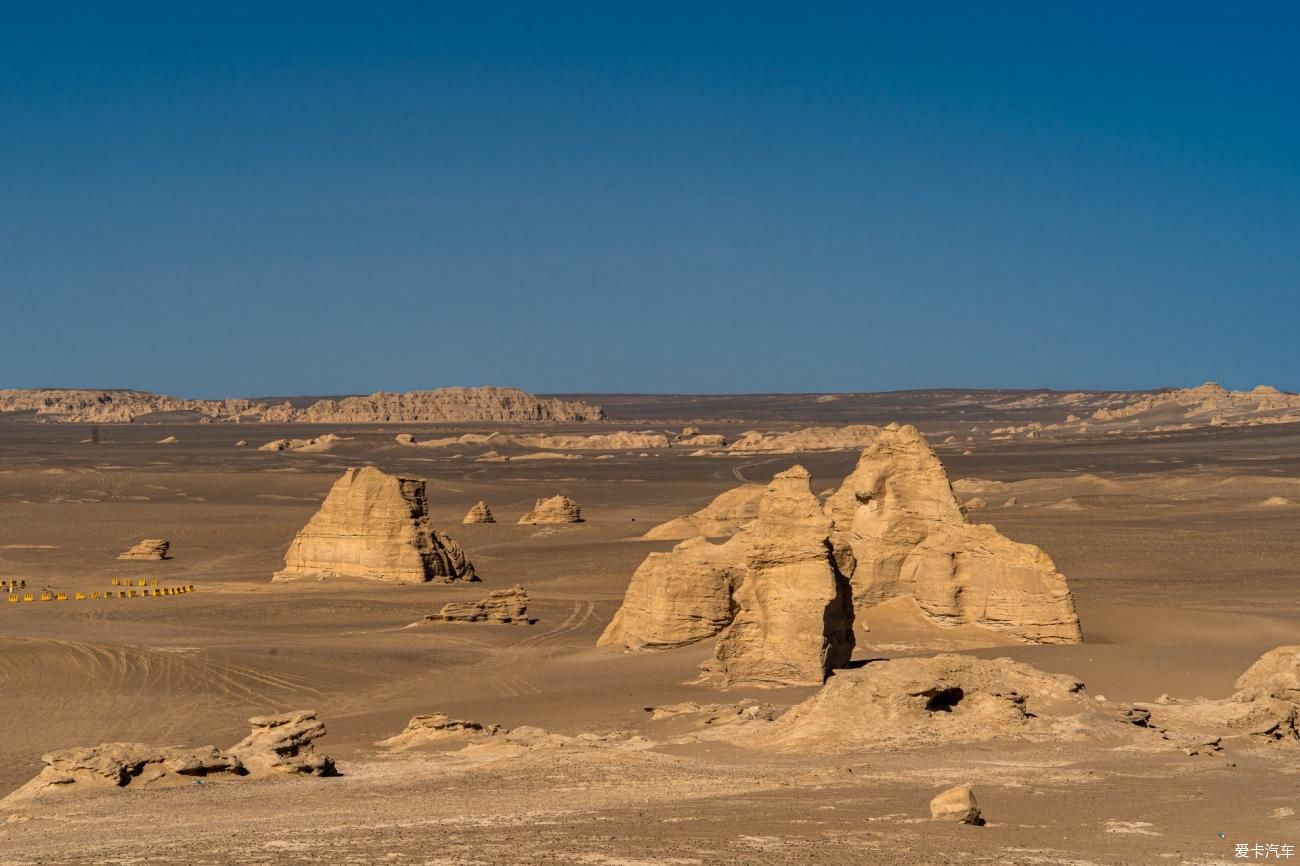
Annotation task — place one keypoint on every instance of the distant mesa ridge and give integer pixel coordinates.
(486, 403)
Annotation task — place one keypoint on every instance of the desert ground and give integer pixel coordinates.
(1180, 547)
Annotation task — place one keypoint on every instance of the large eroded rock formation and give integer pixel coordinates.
(376, 526)
(772, 593)
(899, 531)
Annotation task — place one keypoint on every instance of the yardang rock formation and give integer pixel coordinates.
(556, 509)
(375, 526)
(479, 513)
(899, 531)
(150, 549)
(499, 606)
(772, 594)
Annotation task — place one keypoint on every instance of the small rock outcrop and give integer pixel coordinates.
(376, 526)
(899, 531)
(500, 606)
(772, 594)
(167, 440)
(1265, 706)
(150, 549)
(314, 445)
(726, 515)
(557, 509)
(620, 440)
(276, 744)
(438, 727)
(117, 765)
(948, 698)
(956, 804)
(479, 513)
(283, 744)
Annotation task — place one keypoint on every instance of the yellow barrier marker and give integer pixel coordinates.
(45, 596)
(121, 595)
(94, 595)
(63, 596)
(27, 597)
(13, 598)
(154, 582)
(115, 581)
(79, 596)
(140, 582)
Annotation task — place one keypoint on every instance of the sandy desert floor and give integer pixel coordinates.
(1182, 574)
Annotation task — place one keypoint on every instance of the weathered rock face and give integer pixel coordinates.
(794, 617)
(1276, 676)
(899, 531)
(726, 515)
(772, 592)
(442, 404)
(500, 606)
(956, 804)
(703, 440)
(557, 509)
(479, 513)
(283, 744)
(375, 526)
(678, 598)
(276, 744)
(911, 702)
(150, 549)
(116, 765)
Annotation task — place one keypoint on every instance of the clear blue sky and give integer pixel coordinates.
(226, 198)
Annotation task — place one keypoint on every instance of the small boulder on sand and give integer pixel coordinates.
(167, 440)
(501, 606)
(557, 509)
(148, 550)
(479, 513)
(956, 804)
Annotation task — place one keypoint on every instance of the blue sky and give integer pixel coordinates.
(214, 199)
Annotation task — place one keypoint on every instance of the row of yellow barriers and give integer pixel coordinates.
(80, 596)
(126, 581)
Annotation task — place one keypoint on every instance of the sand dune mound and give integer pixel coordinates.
(915, 702)
(556, 509)
(772, 594)
(479, 513)
(150, 549)
(899, 531)
(375, 526)
(808, 439)
(276, 744)
(724, 516)
(499, 606)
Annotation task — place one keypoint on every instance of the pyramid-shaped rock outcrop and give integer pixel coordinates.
(899, 531)
(375, 526)
(557, 509)
(479, 513)
(773, 595)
